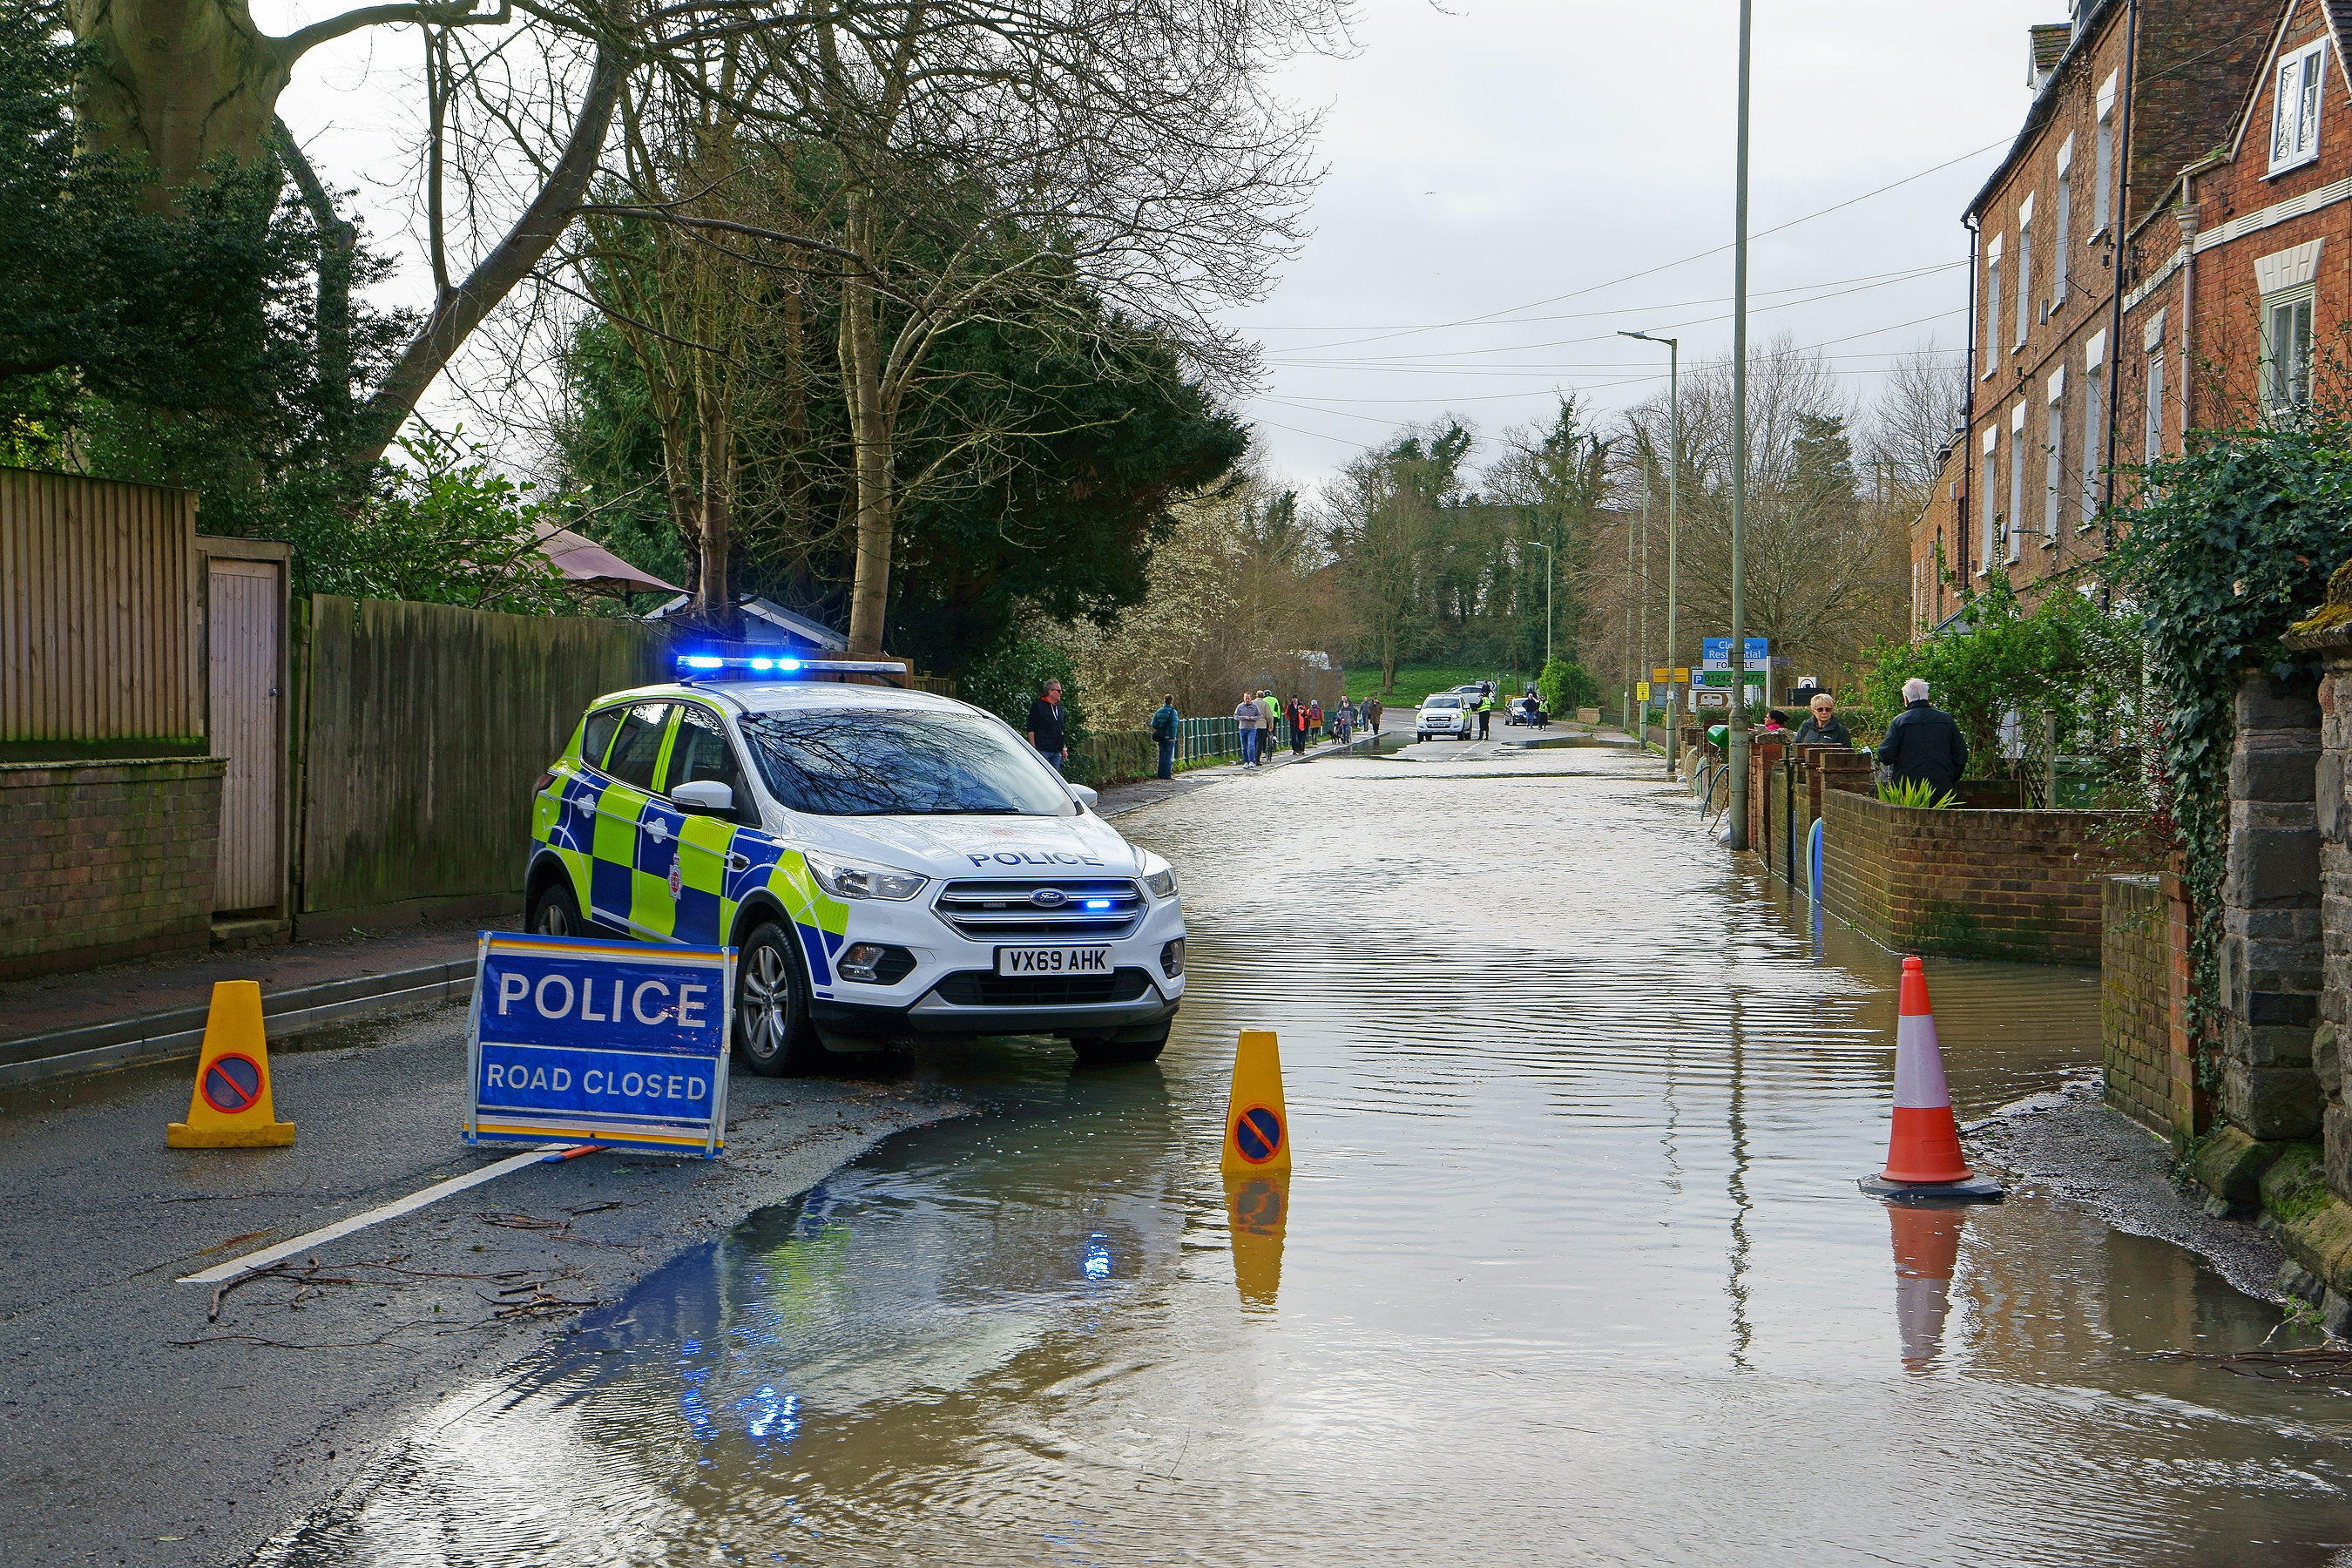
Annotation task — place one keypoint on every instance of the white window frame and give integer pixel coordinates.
(2296, 96)
(2103, 169)
(1991, 509)
(1993, 307)
(2054, 481)
(2155, 401)
(2287, 280)
(2060, 268)
(2017, 484)
(2094, 427)
(2025, 269)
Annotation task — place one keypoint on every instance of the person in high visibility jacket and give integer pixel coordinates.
(1485, 710)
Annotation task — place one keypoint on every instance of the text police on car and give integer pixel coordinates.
(888, 862)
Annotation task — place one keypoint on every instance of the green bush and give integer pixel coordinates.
(1566, 686)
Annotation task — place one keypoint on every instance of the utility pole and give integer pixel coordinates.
(1738, 811)
(1629, 633)
(1673, 521)
(1644, 666)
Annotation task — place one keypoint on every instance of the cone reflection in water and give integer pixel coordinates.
(1257, 1208)
(1927, 1252)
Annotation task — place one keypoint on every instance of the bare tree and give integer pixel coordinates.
(1918, 415)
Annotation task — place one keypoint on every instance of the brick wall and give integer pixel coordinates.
(105, 860)
(1993, 884)
(2135, 1000)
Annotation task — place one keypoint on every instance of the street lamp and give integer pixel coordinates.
(1673, 472)
(1738, 810)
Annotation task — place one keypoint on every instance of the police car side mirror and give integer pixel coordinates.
(1086, 797)
(707, 797)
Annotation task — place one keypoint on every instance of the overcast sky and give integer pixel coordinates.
(1511, 182)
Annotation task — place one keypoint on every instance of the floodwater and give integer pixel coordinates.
(1571, 1269)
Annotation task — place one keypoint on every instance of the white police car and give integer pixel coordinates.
(887, 862)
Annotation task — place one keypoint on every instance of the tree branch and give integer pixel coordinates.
(296, 44)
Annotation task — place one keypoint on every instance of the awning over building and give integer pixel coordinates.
(587, 564)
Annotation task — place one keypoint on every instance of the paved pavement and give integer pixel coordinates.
(132, 1430)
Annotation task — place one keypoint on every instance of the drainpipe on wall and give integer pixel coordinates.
(2185, 215)
(2120, 220)
(1967, 413)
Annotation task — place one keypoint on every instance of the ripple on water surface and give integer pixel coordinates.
(1572, 1268)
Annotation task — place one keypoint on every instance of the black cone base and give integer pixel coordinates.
(1977, 1189)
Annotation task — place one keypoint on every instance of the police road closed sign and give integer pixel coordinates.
(599, 1042)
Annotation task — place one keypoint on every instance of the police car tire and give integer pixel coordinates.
(799, 1052)
(1129, 1046)
(556, 898)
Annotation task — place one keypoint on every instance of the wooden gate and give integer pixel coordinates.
(246, 647)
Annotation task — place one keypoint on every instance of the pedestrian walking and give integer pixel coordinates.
(1248, 717)
(1822, 727)
(1922, 743)
(1372, 711)
(1163, 730)
(1297, 726)
(1486, 708)
(1315, 716)
(1046, 723)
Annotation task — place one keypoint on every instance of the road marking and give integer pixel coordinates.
(547, 1154)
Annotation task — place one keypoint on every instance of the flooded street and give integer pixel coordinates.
(1573, 1267)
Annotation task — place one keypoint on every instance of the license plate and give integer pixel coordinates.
(1053, 961)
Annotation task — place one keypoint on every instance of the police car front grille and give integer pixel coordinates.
(1007, 911)
(980, 988)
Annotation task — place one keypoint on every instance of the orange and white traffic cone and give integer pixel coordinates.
(1923, 1149)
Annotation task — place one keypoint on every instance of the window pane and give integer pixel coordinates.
(2154, 407)
(2282, 108)
(902, 764)
(701, 753)
(1984, 556)
(2306, 131)
(2095, 437)
(2299, 353)
(2057, 474)
(639, 745)
(598, 735)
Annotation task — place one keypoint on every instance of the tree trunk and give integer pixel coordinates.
(179, 80)
(337, 241)
(869, 428)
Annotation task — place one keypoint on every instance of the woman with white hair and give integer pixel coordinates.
(1922, 741)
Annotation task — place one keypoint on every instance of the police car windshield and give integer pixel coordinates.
(1443, 702)
(866, 763)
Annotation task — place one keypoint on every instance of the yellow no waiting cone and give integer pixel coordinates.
(231, 1108)
(1257, 1123)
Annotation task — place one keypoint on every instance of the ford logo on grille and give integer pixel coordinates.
(1049, 898)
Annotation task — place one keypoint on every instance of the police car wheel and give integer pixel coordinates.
(773, 1036)
(556, 912)
(1142, 1044)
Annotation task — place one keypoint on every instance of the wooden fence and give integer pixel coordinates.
(102, 626)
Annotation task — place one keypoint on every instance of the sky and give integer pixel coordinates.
(1510, 182)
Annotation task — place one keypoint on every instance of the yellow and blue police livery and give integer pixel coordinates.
(887, 863)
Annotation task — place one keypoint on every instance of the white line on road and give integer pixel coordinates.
(409, 1205)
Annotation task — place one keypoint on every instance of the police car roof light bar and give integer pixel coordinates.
(713, 666)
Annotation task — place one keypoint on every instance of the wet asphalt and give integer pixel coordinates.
(134, 1430)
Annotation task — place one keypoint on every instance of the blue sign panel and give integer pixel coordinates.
(600, 1042)
(1714, 652)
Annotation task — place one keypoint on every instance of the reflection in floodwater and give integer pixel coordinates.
(1257, 1208)
(1927, 1252)
(1586, 1276)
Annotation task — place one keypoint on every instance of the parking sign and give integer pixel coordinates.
(600, 1042)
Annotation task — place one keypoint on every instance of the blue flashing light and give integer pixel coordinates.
(701, 661)
(788, 663)
(1098, 903)
(763, 664)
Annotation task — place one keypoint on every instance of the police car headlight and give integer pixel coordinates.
(1158, 876)
(859, 880)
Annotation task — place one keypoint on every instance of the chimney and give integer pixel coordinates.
(2045, 47)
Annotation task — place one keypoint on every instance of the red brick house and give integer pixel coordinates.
(2242, 299)
(2125, 95)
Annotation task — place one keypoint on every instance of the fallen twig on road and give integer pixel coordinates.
(2329, 1361)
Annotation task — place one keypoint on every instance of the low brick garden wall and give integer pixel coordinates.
(1986, 884)
(100, 861)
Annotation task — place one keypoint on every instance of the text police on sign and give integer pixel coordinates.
(600, 1043)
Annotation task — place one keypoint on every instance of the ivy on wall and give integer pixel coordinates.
(2225, 547)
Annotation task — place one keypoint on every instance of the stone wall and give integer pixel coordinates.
(1991, 884)
(2135, 1002)
(101, 862)
(2332, 821)
(2270, 944)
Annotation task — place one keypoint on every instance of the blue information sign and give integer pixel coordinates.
(600, 1042)
(1714, 652)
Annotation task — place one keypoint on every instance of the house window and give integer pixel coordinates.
(1992, 306)
(2094, 434)
(2286, 349)
(1991, 511)
(2156, 403)
(2295, 107)
(2017, 507)
(2024, 268)
(2062, 221)
(2103, 156)
(2054, 478)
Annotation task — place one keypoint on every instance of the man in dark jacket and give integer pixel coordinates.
(1821, 727)
(1922, 741)
(1046, 723)
(1163, 730)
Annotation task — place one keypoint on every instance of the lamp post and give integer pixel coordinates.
(1674, 512)
(1738, 810)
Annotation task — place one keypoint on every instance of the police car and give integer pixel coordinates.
(886, 862)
